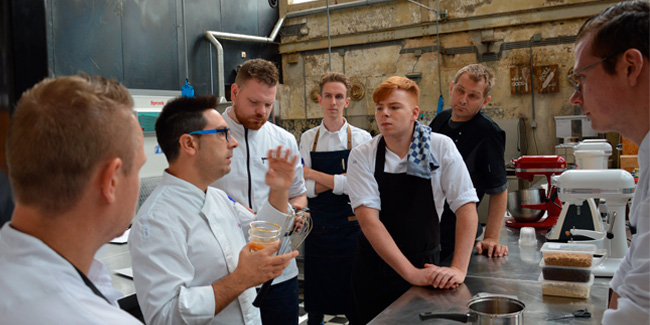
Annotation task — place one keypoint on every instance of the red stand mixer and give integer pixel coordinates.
(527, 167)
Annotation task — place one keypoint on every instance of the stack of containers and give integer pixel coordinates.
(592, 154)
(566, 269)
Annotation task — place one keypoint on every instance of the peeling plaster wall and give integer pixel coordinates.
(371, 63)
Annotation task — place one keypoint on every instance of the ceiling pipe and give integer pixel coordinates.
(346, 5)
(212, 37)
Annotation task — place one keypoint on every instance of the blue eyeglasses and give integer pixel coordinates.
(225, 131)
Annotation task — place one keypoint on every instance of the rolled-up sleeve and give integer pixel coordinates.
(163, 273)
(362, 186)
(340, 184)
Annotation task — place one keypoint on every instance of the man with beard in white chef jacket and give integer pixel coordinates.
(611, 77)
(253, 94)
(186, 243)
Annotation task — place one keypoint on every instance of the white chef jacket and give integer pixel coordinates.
(38, 286)
(252, 152)
(450, 181)
(632, 279)
(330, 141)
(182, 241)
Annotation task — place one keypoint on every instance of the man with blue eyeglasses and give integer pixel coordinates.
(612, 87)
(186, 243)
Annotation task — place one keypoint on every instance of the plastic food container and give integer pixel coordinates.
(564, 254)
(565, 273)
(565, 288)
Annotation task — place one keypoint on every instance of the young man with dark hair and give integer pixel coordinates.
(253, 95)
(611, 77)
(191, 262)
(482, 143)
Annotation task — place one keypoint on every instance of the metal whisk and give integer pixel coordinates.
(296, 227)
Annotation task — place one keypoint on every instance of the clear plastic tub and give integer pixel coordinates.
(565, 288)
(564, 254)
(565, 273)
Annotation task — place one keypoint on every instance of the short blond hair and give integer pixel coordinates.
(62, 130)
(334, 77)
(477, 72)
(396, 83)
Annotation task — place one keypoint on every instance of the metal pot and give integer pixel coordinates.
(526, 197)
(491, 309)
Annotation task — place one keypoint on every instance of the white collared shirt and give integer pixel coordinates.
(181, 242)
(450, 181)
(632, 279)
(251, 155)
(330, 141)
(38, 286)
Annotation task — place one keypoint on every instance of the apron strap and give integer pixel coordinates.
(380, 157)
(313, 148)
(349, 137)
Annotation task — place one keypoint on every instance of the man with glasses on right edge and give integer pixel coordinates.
(612, 87)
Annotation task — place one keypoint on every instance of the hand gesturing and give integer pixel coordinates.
(281, 169)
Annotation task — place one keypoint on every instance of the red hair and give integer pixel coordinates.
(396, 83)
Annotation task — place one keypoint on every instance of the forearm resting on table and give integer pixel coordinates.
(489, 245)
(496, 213)
(466, 222)
(382, 242)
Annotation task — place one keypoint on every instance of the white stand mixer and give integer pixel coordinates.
(614, 185)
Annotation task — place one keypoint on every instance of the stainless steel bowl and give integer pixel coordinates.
(517, 198)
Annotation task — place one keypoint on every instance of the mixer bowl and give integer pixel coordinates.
(517, 198)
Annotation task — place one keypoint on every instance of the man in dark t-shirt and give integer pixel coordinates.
(481, 142)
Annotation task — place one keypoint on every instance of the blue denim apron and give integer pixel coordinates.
(329, 248)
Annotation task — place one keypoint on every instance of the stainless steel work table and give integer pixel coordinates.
(515, 274)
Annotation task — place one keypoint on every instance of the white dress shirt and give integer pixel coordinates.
(632, 279)
(330, 141)
(38, 286)
(450, 181)
(251, 155)
(181, 242)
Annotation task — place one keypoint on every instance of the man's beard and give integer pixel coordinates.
(244, 120)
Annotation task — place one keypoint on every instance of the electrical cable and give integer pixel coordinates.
(187, 74)
(329, 38)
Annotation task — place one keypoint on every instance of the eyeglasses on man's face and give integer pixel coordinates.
(225, 131)
(576, 80)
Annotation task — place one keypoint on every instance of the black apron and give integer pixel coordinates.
(409, 214)
(329, 248)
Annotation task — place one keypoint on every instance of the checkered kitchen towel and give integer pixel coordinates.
(421, 162)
